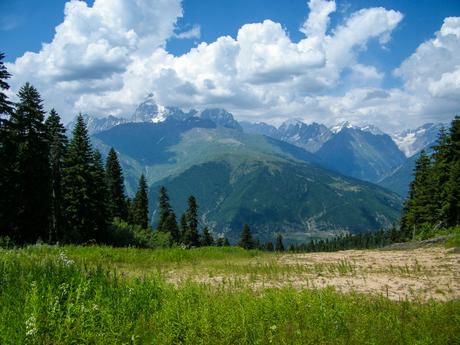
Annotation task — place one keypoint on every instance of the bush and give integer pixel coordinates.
(122, 234)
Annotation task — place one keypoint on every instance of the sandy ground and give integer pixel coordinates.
(420, 274)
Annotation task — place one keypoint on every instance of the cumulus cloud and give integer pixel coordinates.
(106, 58)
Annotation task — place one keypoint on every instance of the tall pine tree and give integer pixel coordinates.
(453, 186)
(164, 209)
(99, 196)
(7, 154)
(420, 208)
(78, 182)
(58, 143)
(192, 237)
(31, 178)
(246, 240)
(140, 207)
(116, 188)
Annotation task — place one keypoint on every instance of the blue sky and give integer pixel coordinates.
(26, 25)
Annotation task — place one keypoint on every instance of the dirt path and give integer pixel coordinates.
(421, 274)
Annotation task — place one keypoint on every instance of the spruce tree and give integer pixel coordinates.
(6, 107)
(183, 229)
(207, 240)
(140, 207)
(116, 189)
(31, 180)
(58, 143)
(78, 182)
(453, 186)
(99, 198)
(441, 175)
(192, 238)
(420, 208)
(279, 245)
(246, 240)
(164, 209)
(7, 155)
(170, 226)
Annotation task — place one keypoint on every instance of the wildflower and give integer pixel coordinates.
(65, 260)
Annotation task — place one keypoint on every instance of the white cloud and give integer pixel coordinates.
(106, 58)
(194, 32)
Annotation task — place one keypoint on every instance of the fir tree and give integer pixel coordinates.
(453, 186)
(31, 180)
(116, 189)
(226, 242)
(170, 226)
(164, 209)
(99, 196)
(6, 107)
(207, 240)
(192, 238)
(246, 240)
(183, 228)
(57, 144)
(140, 207)
(279, 246)
(420, 208)
(441, 174)
(78, 181)
(7, 155)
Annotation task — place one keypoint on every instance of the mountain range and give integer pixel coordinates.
(303, 180)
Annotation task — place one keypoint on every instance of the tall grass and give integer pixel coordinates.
(52, 298)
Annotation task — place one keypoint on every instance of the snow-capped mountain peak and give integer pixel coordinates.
(412, 141)
(340, 126)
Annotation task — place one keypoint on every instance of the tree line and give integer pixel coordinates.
(56, 189)
(434, 195)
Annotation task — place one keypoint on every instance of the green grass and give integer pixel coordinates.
(83, 295)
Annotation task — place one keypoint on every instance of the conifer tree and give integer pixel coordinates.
(141, 205)
(78, 182)
(6, 107)
(420, 208)
(7, 154)
(279, 245)
(246, 240)
(31, 180)
(164, 209)
(441, 174)
(99, 196)
(226, 242)
(192, 238)
(183, 228)
(170, 226)
(57, 144)
(453, 186)
(116, 188)
(207, 240)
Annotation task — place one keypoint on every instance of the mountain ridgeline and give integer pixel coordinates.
(239, 178)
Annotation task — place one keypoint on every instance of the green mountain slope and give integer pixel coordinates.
(240, 178)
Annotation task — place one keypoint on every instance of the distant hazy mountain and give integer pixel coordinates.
(365, 153)
(238, 177)
(95, 124)
(221, 117)
(412, 141)
(310, 137)
(261, 128)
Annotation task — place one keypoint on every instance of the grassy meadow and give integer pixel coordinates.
(103, 295)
